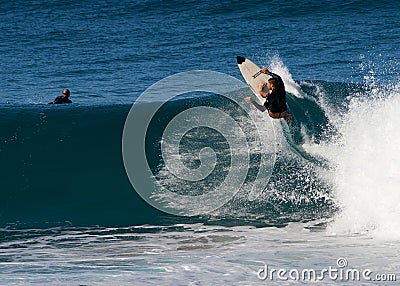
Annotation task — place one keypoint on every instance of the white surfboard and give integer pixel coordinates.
(252, 75)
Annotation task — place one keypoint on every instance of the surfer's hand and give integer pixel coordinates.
(248, 99)
(265, 70)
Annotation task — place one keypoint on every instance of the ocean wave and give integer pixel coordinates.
(64, 163)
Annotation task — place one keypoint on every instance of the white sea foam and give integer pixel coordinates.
(365, 160)
(367, 176)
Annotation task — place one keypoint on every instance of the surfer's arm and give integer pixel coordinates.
(258, 106)
(273, 75)
(266, 71)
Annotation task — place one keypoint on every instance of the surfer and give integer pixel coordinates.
(275, 94)
(64, 98)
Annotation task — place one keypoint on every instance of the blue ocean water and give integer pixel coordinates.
(108, 52)
(69, 214)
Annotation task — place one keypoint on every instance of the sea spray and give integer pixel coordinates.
(277, 66)
(367, 173)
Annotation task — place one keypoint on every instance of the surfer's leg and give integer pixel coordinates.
(288, 117)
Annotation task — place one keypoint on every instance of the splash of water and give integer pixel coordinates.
(278, 67)
(367, 174)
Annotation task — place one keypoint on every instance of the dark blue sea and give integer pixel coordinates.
(159, 173)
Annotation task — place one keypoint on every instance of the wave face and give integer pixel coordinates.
(337, 161)
(64, 164)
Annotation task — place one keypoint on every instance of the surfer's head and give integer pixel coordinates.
(66, 93)
(272, 82)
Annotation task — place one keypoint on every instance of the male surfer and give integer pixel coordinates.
(274, 93)
(64, 98)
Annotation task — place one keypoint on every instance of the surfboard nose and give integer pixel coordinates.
(240, 60)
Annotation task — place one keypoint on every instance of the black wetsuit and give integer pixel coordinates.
(61, 99)
(276, 100)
